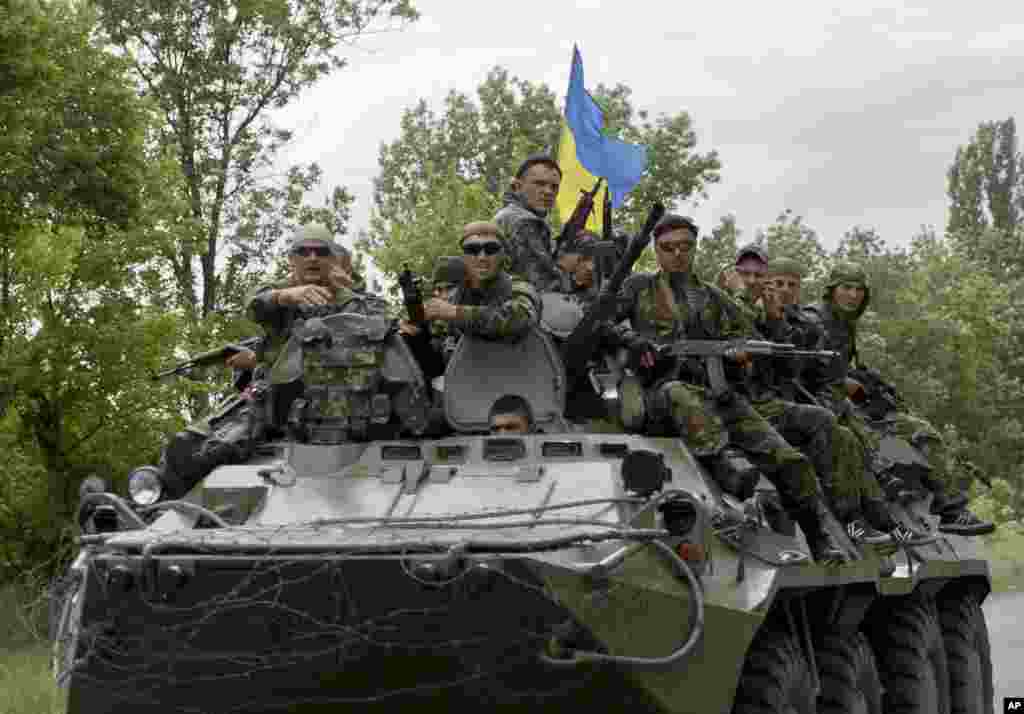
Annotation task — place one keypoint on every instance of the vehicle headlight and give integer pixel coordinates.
(145, 486)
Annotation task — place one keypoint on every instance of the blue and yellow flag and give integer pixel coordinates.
(585, 153)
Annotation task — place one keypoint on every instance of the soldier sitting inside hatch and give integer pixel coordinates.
(490, 304)
(511, 414)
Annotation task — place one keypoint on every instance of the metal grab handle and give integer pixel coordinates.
(680, 568)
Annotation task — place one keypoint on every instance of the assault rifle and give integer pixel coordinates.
(419, 344)
(713, 352)
(212, 357)
(580, 345)
(578, 220)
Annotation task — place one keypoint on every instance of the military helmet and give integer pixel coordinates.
(848, 272)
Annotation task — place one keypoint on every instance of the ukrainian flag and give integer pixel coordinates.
(585, 153)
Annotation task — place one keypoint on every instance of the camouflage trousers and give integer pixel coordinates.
(835, 452)
(706, 426)
(948, 484)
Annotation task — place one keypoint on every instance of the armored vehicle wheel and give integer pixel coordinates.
(849, 677)
(776, 678)
(968, 654)
(905, 635)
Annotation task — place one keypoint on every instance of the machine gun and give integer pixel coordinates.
(215, 357)
(580, 345)
(578, 220)
(714, 351)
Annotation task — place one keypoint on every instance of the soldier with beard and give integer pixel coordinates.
(844, 301)
(523, 223)
(674, 305)
(838, 456)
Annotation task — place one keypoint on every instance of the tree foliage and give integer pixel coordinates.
(216, 69)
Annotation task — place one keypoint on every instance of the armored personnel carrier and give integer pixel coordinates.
(554, 571)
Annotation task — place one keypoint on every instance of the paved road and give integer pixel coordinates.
(1004, 613)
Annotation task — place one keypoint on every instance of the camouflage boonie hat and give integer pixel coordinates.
(313, 234)
(785, 266)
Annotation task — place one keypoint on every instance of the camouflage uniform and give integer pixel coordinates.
(840, 334)
(664, 308)
(838, 455)
(528, 244)
(502, 308)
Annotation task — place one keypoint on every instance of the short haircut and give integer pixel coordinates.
(535, 159)
(511, 404)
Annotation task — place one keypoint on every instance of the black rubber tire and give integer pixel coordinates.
(968, 653)
(850, 683)
(775, 679)
(911, 656)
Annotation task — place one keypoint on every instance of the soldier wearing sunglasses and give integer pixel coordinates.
(489, 303)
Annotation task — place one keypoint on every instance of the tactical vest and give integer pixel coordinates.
(342, 357)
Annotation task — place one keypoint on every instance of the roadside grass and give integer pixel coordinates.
(26, 683)
(1005, 552)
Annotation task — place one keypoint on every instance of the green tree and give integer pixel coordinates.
(718, 249)
(985, 184)
(473, 146)
(215, 69)
(75, 234)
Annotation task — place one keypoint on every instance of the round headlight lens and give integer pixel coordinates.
(145, 486)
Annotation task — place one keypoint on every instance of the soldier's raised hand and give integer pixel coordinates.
(439, 309)
(339, 277)
(303, 295)
(773, 306)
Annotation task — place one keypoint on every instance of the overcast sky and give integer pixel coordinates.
(847, 115)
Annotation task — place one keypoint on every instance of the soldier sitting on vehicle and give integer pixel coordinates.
(511, 414)
(675, 305)
(846, 297)
(838, 456)
(319, 283)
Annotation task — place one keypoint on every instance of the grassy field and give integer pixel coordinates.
(26, 683)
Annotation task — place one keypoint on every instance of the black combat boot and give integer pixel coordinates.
(876, 512)
(955, 517)
(812, 515)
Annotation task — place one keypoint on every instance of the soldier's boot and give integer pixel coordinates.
(811, 515)
(862, 532)
(954, 516)
(876, 512)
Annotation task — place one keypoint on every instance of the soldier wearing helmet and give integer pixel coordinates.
(846, 297)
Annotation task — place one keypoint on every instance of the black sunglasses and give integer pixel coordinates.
(320, 251)
(487, 248)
